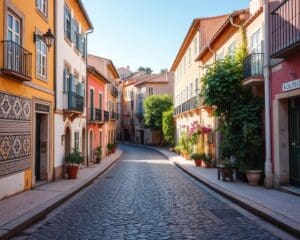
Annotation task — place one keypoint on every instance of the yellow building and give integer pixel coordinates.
(26, 94)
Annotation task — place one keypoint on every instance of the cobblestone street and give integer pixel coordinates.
(145, 197)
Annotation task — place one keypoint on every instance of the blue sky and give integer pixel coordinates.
(147, 32)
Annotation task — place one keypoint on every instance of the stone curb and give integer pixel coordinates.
(284, 223)
(15, 226)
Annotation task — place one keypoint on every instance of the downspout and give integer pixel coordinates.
(54, 87)
(268, 162)
(86, 98)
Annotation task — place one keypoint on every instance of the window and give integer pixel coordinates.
(14, 35)
(196, 86)
(189, 56)
(91, 98)
(67, 76)
(255, 43)
(68, 23)
(149, 91)
(220, 56)
(77, 36)
(100, 100)
(231, 49)
(42, 6)
(196, 46)
(41, 58)
(76, 140)
(191, 90)
(75, 86)
(83, 46)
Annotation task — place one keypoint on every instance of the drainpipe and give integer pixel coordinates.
(54, 87)
(268, 162)
(86, 98)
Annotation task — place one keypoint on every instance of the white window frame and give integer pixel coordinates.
(150, 91)
(255, 42)
(41, 59)
(77, 141)
(42, 6)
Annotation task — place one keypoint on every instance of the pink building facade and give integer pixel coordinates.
(95, 112)
(284, 39)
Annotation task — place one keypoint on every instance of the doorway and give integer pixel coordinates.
(294, 143)
(142, 137)
(91, 143)
(67, 141)
(41, 147)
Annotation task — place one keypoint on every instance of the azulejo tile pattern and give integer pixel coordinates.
(15, 134)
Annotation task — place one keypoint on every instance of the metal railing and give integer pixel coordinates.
(16, 60)
(95, 114)
(106, 116)
(75, 102)
(285, 26)
(191, 104)
(254, 65)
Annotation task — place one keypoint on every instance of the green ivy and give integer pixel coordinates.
(237, 108)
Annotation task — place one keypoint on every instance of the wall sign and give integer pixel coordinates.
(291, 85)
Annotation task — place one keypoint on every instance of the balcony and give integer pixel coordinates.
(190, 105)
(254, 69)
(95, 115)
(285, 29)
(106, 116)
(16, 61)
(114, 91)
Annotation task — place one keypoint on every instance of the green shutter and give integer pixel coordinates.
(72, 30)
(65, 83)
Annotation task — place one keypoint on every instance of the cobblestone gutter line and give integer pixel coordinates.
(277, 219)
(10, 229)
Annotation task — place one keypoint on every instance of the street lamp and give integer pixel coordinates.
(48, 38)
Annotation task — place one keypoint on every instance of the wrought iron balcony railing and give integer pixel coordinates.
(191, 104)
(285, 27)
(75, 102)
(106, 116)
(254, 65)
(17, 61)
(95, 114)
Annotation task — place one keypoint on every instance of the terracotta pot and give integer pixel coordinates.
(113, 150)
(198, 162)
(98, 160)
(254, 177)
(72, 172)
(206, 164)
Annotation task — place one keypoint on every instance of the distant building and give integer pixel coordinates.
(135, 89)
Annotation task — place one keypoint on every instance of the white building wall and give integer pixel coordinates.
(65, 54)
(11, 185)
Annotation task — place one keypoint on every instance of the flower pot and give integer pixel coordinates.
(98, 160)
(113, 150)
(225, 172)
(206, 164)
(254, 177)
(198, 162)
(72, 172)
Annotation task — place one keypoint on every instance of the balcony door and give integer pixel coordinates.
(92, 103)
(294, 132)
(14, 40)
(255, 48)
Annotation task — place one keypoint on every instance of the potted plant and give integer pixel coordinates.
(113, 147)
(206, 161)
(225, 169)
(252, 136)
(186, 145)
(109, 148)
(73, 160)
(98, 154)
(198, 158)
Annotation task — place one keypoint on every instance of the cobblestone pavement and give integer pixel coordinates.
(146, 197)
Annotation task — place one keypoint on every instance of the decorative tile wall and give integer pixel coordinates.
(15, 134)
